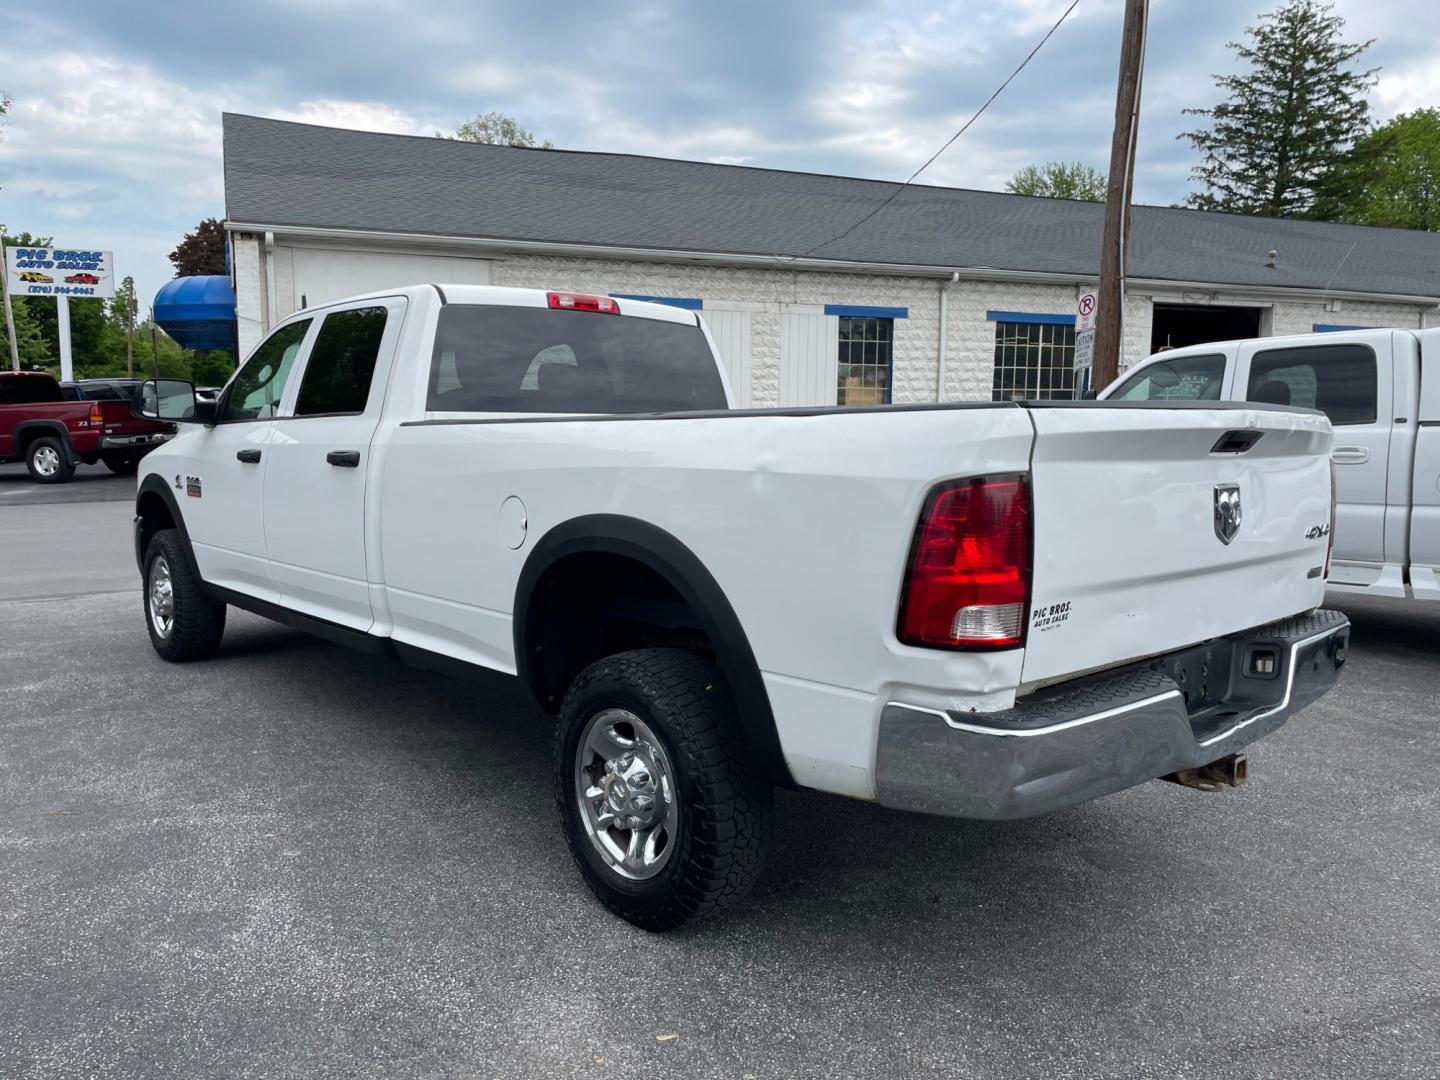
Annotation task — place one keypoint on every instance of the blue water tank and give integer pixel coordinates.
(198, 312)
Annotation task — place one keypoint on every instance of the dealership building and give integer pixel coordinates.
(812, 296)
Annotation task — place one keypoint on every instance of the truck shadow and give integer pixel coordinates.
(841, 872)
(1394, 628)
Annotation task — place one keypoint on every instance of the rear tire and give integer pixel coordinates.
(47, 461)
(658, 726)
(184, 623)
(121, 464)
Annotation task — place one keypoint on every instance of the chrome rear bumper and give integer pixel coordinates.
(1103, 734)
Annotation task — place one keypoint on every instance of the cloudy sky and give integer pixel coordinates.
(113, 140)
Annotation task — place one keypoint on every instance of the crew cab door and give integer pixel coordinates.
(315, 484)
(1351, 381)
(221, 486)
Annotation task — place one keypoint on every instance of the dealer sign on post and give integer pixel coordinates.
(71, 272)
(1084, 340)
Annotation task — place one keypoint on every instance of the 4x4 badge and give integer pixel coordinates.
(1227, 511)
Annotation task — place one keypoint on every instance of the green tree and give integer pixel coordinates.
(90, 349)
(1291, 116)
(37, 350)
(201, 252)
(118, 313)
(1059, 180)
(212, 368)
(498, 130)
(1391, 178)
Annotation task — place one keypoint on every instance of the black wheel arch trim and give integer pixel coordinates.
(155, 484)
(49, 427)
(682, 570)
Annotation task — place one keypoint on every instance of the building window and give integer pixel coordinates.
(1034, 360)
(867, 349)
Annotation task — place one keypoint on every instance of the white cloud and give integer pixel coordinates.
(1408, 88)
(359, 115)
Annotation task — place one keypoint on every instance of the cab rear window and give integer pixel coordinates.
(490, 358)
(1339, 380)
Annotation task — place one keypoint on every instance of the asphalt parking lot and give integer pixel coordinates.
(295, 860)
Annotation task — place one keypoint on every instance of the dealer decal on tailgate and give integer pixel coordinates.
(1047, 618)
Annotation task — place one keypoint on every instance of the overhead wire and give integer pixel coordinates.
(950, 141)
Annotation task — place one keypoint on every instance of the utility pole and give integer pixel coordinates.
(130, 332)
(1115, 243)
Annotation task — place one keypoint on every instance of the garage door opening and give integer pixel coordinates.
(1176, 325)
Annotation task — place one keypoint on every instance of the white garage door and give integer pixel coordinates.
(809, 359)
(731, 331)
(324, 274)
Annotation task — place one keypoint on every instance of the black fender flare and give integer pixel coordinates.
(155, 485)
(678, 566)
(27, 429)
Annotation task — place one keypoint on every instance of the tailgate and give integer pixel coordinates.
(119, 420)
(1129, 562)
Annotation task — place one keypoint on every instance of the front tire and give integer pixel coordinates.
(184, 623)
(665, 813)
(47, 461)
(121, 464)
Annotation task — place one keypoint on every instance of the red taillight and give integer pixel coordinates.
(97, 418)
(968, 582)
(1330, 537)
(568, 301)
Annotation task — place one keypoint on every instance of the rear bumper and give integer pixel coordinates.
(1099, 735)
(146, 441)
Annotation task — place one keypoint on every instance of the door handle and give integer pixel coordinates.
(249, 457)
(348, 459)
(1350, 455)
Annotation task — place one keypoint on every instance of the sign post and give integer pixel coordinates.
(1085, 310)
(61, 273)
(62, 328)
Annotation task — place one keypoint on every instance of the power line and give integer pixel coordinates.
(963, 128)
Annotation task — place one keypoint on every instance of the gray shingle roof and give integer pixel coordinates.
(281, 173)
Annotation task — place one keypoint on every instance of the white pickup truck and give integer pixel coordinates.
(1381, 390)
(990, 610)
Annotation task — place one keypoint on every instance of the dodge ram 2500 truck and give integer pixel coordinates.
(990, 610)
(1381, 390)
(52, 435)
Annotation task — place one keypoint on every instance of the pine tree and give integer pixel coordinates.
(1290, 118)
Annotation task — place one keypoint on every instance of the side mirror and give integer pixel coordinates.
(167, 399)
(1088, 395)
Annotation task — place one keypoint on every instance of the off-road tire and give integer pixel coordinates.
(198, 621)
(121, 464)
(726, 806)
(50, 445)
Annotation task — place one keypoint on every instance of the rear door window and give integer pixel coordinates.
(342, 363)
(490, 358)
(1185, 378)
(1339, 380)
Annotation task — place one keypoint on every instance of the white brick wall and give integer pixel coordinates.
(1292, 318)
(249, 299)
(767, 292)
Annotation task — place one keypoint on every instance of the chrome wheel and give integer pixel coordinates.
(47, 461)
(626, 789)
(162, 597)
